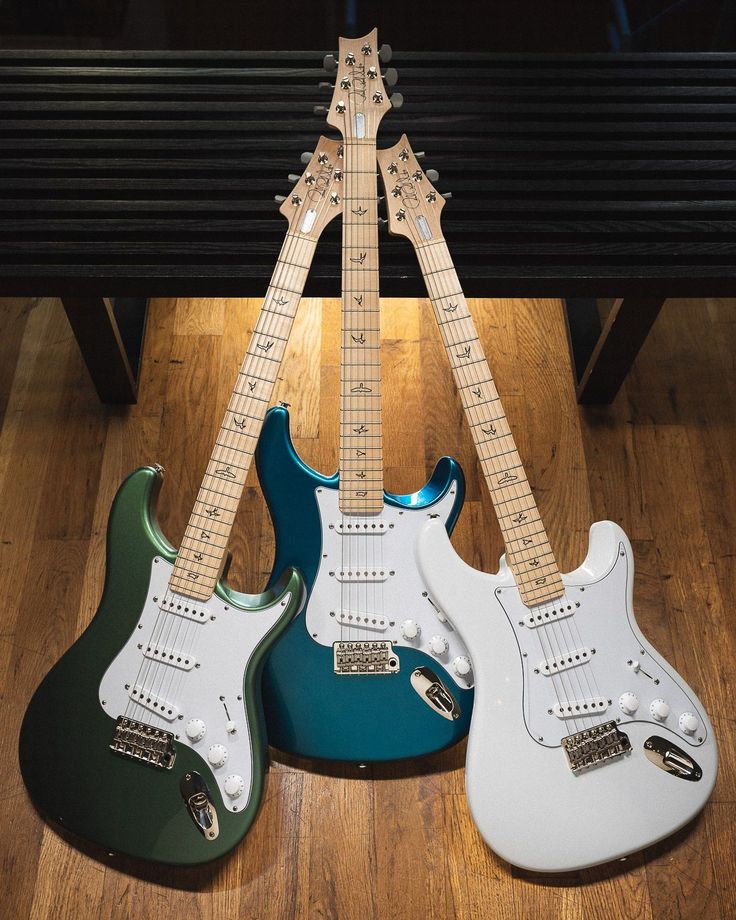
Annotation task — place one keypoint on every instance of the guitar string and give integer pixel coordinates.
(452, 341)
(582, 674)
(294, 246)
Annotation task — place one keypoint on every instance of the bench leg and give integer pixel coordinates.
(110, 351)
(627, 326)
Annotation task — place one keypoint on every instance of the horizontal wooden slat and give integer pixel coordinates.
(154, 172)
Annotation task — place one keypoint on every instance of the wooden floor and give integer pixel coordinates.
(388, 842)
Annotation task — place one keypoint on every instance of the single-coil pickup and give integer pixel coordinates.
(363, 620)
(183, 607)
(575, 709)
(564, 662)
(156, 704)
(549, 613)
(170, 656)
(361, 575)
(371, 528)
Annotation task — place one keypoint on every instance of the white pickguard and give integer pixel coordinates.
(368, 582)
(207, 649)
(528, 804)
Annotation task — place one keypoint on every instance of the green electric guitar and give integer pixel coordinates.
(147, 737)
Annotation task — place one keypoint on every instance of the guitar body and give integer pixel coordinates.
(528, 804)
(310, 710)
(113, 799)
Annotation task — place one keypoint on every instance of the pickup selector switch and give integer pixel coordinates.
(217, 755)
(688, 723)
(438, 645)
(195, 729)
(410, 629)
(234, 785)
(660, 709)
(629, 703)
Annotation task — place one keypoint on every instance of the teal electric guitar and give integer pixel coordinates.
(372, 670)
(147, 737)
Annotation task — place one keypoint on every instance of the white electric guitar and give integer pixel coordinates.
(585, 745)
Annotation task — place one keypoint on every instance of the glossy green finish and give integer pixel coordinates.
(71, 774)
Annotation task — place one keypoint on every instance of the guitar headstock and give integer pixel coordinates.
(317, 195)
(360, 99)
(413, 204)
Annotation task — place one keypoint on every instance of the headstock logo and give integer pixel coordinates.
(407, 189)
(357, 81)
(322, 182)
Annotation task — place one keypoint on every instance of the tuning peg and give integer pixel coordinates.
(447, 195)
(432, 174)
(306, 157)
(325, 84)
(293, 178)
(279, 199)
(391, 77)
(320, 110)
(330, 63)
(419, 154)
(397, 100)
(385, 54)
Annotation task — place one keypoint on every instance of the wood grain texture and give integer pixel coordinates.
(391, 840)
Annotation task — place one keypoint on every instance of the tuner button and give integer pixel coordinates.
(419, 154)
(438, 645)
(195, 729)
(461, 665)
(397, 100)
(293, 178)
(688, 723)
(325, 84)
(385, 54)
(279, 199)
(391, 77)
(660, 709)
(306, 157)
(330, 62)
(432, 175)
(320, 110)
(410, 629)
(629, 703)
(234, 785)
(447, 195)
(217, 755)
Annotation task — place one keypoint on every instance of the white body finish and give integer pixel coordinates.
(527, 803)
(394, 595)
(211, 693)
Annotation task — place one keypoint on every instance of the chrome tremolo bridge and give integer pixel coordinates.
(144, 743)
(365, 658)
(595, 746)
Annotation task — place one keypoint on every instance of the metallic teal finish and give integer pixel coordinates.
(71, 775)
(310, 711)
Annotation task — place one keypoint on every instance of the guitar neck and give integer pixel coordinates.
(527, 546)
(361, 432)
(201, 556)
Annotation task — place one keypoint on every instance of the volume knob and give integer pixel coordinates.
(410, 629)
(660, 709)
(461, 665)
(195, 729)
(629, 702)
(688, 723)
(438, 645)
(234, 785)
(217, 755)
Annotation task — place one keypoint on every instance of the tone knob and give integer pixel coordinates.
(688, 723)
(438, 645)
(461, 665)
(217, 755)
(195, 729)
(234, 785)
(659, 709)
(410, 629)
(629, 702)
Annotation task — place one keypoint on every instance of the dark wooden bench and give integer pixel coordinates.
(134, 174)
